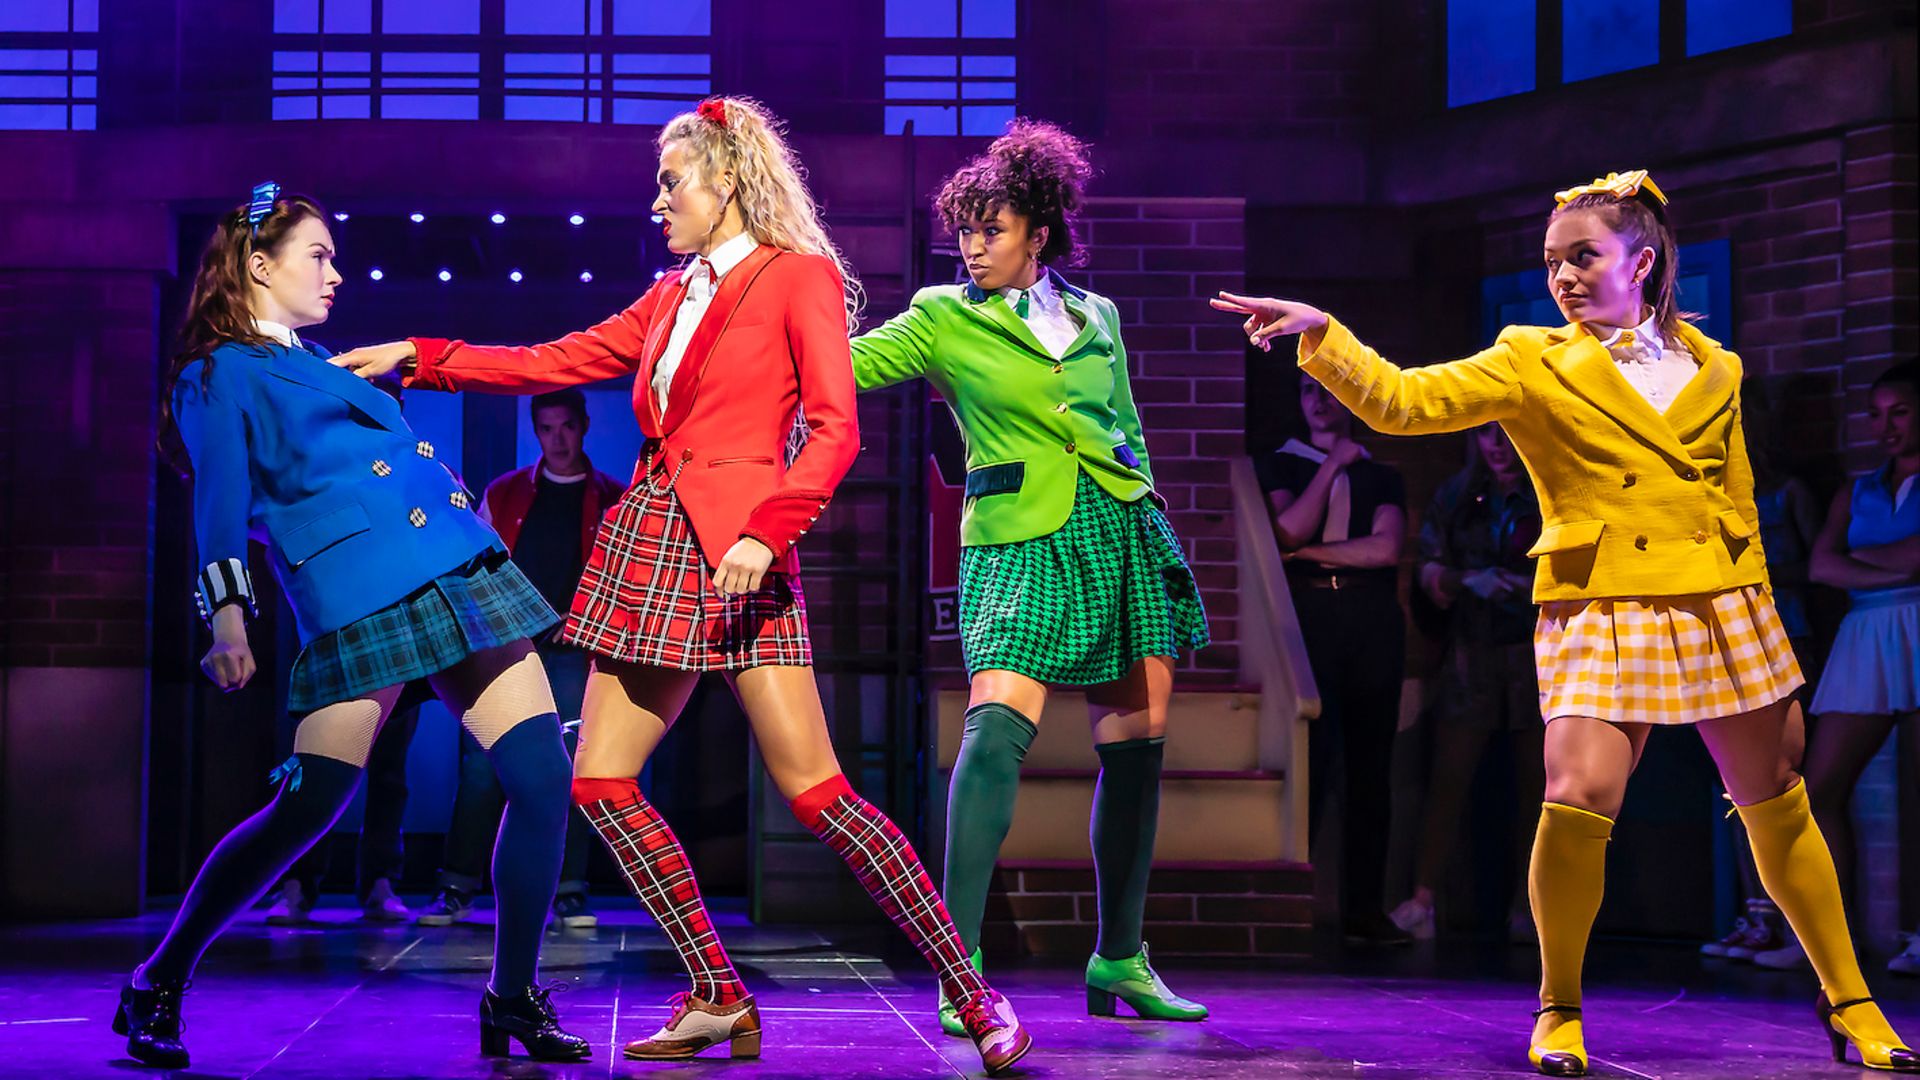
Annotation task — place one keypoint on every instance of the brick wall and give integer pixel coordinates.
(1159, 260)
(76, 432)
(1236, 69)
(1192, 911)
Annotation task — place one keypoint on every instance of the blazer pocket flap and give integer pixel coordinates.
(299, 544)
(996, 479)
(1567, 536)
(1734, 525)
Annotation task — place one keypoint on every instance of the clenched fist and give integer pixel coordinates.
(743, 568)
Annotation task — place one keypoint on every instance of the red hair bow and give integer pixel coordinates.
(713, 109)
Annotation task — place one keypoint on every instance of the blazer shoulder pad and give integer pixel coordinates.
(935, 295)
(228, 369)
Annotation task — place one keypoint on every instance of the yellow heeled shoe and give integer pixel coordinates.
(1891, 1056)
(1563, 1052)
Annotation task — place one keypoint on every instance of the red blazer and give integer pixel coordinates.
(509, 498)
(773, 340)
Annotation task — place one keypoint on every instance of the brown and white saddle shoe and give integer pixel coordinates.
(995, 1031)
(697, 1026)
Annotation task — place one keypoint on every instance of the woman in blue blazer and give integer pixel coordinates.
(392, 578)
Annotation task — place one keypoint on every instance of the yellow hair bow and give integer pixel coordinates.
(1626, 185)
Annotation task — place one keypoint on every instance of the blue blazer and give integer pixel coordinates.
(321, 467)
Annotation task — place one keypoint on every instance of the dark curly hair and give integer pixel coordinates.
(1036, 170)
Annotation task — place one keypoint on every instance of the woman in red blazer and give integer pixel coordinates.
(694, 570)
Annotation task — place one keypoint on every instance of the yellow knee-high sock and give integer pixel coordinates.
(1564, 883)
(1797, 870)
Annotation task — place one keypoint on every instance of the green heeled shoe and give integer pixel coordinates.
(949, 1013)
(1134, 981)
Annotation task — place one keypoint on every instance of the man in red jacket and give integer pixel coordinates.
(548, 514)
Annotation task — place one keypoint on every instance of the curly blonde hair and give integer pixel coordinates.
(739, 135)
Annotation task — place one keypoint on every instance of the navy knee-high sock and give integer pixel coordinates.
(251, 859)
(531, 762)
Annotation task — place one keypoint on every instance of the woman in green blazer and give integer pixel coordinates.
(1069, 573)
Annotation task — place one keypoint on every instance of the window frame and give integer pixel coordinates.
(603, 56)
(1550, 50)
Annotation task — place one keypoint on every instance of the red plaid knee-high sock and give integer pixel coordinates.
(657, 870)
(879, 855)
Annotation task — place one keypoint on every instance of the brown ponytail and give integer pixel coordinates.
(220, 310)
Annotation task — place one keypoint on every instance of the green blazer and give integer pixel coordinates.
(1031, 423)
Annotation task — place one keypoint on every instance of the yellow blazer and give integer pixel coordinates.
(1633, 503)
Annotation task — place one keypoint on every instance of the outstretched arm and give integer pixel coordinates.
(607, 350)
(1418, 401)
(895, 351)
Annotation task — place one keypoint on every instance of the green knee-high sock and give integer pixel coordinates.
(986, 777)
(1126, 818)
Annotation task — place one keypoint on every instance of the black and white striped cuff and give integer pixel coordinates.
(222, 583)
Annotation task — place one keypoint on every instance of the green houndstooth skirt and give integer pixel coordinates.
(1084, 604)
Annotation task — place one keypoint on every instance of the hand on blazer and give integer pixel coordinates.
(374, 361)
(1268, 318)
(230, 662)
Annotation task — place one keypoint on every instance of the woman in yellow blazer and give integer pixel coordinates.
(1653, 593)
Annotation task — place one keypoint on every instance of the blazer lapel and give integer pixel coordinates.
(994, 310)
(726, 300)
(314, 373)
(1588, 370)
(1711, 390)
(664, 317)
(1091, 330)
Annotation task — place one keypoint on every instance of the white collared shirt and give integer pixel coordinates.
(1658, 371)
(702, 278)
(279, 332)
(1047, 314)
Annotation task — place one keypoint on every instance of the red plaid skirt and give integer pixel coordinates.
(647, 597)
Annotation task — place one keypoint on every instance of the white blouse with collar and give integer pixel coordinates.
(1649, 364)
(1047, 314)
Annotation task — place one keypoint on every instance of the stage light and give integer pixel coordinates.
(586, 277)
(376, 274)
(657, 219)
(446, 275)
(416, 217)
(498, 218)
(514, 276)
(576, 219)
(340, 215)
(658, 274)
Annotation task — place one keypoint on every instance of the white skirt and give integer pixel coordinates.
(1875, 665)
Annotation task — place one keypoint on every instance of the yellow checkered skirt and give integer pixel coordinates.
(1663, 660)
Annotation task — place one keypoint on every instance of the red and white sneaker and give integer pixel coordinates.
(995, 1031)
(697, 1025)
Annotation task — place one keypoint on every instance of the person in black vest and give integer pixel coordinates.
(1341, 522)
(548, 514)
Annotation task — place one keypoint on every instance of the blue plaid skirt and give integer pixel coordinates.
(486, 603)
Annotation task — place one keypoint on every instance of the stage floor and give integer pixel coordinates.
(346, 1000)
